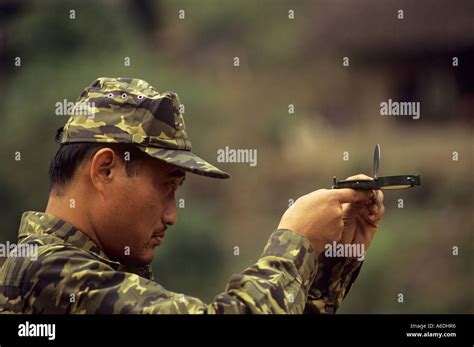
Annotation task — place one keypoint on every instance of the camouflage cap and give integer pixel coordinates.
(126, 110)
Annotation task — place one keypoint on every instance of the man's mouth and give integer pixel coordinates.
(157, 237)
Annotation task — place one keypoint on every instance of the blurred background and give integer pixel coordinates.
(282, 61)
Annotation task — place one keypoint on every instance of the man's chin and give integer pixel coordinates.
(145, 258)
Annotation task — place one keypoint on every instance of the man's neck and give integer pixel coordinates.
(72, 211)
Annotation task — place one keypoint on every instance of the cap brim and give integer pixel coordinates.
(185, 160)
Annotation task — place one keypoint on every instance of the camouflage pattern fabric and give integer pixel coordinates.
(72, 275)
(126, 110)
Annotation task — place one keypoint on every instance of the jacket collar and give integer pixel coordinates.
(37, 223)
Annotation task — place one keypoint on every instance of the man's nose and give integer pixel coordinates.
(170, 215)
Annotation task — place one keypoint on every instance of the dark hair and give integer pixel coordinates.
(70, 156)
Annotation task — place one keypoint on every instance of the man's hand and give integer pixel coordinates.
(319, 216)
(361, 218)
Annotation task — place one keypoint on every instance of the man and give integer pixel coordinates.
(122, 156)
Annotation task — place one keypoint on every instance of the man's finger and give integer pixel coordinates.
(359, 177)
(377, 216)
(352, 195)
(379, 196)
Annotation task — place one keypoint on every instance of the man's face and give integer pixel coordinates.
(135, 211)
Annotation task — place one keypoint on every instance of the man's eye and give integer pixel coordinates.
(172, 186)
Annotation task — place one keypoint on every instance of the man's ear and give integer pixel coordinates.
(104, 168)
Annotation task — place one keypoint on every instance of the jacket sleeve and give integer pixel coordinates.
(333, 281)
(72, 281)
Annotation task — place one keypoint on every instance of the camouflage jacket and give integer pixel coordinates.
(72, 275)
